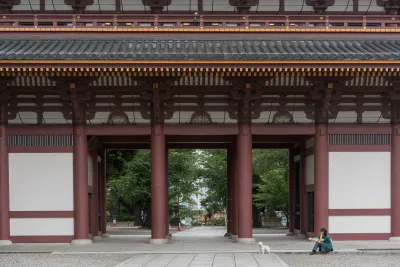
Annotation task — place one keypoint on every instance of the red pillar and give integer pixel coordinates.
(4, 181)
(244, 185)
(166, 195)
(303, 188)
(158, 185)
(235, 201)
(229, 171)
(292, 193)
(395, 184)
(321, 174)
(103, 223)
(81, 207)
(94, 202)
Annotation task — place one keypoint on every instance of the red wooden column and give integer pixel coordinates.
(321, 180)
(103, 216)
(166, 195)
(94, 201)
(4, 181)
(303, 190)
(244, 184)
(292, 193)
(158, 185)
(81, 208)
(229, 192)
(395, 181)
(235, 200)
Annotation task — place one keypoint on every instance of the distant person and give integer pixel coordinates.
(114, 222)
(323, 242)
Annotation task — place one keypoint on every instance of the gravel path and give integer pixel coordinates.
(341, 260)
(51, 260)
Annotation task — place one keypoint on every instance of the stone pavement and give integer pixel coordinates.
(205, 260)
(196, 240)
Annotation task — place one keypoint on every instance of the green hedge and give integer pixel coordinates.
(123, 218)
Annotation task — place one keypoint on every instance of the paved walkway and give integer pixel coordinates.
(196, 240)
(205, 260)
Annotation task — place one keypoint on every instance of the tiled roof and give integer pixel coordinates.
(198, 49)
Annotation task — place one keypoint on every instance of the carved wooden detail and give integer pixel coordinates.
(75, 94)
(245, 98)
(156, 98)
(322, 103)
(201, 117)
(79, 6)
(320, 5)
(392, 7)
(243, 6)
(156, 6)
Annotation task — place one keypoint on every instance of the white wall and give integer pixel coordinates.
(359, 224)
(310, 170)
(42, 227)
(359, 180)
(41, 181)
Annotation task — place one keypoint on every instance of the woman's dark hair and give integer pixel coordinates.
(324, 231)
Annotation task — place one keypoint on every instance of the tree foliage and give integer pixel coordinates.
(130, 180)
(270, 168)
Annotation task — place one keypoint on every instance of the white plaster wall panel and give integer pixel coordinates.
(56, 5)
(54, 118)
(342, 6)
(102, 5)
(271, 5)
(27, 5)
(297, 5)
(345, 117)
(359, 180)
(24, 118)
(300, 117)
(221, 117)
(359, 224)
(99, 118)
(41, 226)
(373, 117)
(90, 171)
(310, 170)
(41, 181)
(217, 6)
(129, 5)
(180, 117)
(369, 6)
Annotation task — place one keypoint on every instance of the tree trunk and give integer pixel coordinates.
(137, 211)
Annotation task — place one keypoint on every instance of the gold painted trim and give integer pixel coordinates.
(186, 30)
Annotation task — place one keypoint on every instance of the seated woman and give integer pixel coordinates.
(323, 242)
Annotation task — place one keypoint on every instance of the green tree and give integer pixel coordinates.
(213, 172)
(212, 204)
(273, 190)
(131, 180)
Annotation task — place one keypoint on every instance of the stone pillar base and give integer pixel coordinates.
(301, 236)
(228, 234)
(105, 235)
(245, 240)
(81, 242)
(5, 243)
(169, 236)
(159, 241)
(234, 237)
(97, 237)
(290, 234)
(394, 239)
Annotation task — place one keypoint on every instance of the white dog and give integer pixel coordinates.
(264, 248)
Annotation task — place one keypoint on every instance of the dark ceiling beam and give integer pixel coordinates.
(194, 100)
(196, 146)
